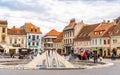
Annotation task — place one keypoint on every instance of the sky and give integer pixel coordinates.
(56, 14)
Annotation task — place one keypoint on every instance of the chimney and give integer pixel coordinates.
(81, 21)
(108, 21)
(13, 27)
(72, 20)
(103, 21)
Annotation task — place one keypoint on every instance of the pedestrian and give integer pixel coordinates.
(95, 57)
(84, 56)
(113, 56)
(100, 58)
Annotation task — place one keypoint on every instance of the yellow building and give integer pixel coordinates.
(115, 40)
(3, 32)
(16, 39)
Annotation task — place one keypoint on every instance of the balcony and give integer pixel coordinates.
(16, 45)
(3, 42)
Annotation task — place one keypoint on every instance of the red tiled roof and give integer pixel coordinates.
(84, 34)
(103, 26)
(109, 32)
(101, 30)
(116, 31)
(59, 37)
(30, 28)
(70, 25)
(16, 31)
(53, 32)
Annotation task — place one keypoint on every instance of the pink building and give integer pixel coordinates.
(83, 41)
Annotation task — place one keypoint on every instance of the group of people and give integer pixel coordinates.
(90, 55)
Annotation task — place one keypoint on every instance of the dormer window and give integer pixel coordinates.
(117, 31)
(95, 33)
(101, 32)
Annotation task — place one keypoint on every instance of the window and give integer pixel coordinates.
(100, 41)
(3, 39)
(45, 45)
(33, 43)
(29, 43)
(70, 34)
(95, 41)
(64, 41)
(15, 41)
(10, 40)
(100, 33)
(104, 41)
(22, 40)
(29, 36)
(37, 36)
(108, 41)
(51, 45)
(33, 37)
(95, 33)
(114, 41)
(37, 43)
(92, 42)
(3, 30)
(48, 45)
(109, 52)
(35, 30)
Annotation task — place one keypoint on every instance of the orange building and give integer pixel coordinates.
(58, 44)
(49, 38)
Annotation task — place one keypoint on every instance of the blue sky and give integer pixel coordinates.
(49, 14)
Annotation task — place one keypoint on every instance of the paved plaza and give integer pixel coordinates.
(110, 70)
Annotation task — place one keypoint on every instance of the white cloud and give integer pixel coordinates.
(55, 14)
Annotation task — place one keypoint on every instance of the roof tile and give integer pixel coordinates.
(16, 31)
(84, 34)
(53, 32)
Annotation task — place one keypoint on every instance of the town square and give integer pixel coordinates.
(59, 37)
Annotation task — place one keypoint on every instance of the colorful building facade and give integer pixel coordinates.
(16, 39)
(34, 36)
(49, 38)
(69, 33)
(99, 42)
(58, 44)
(82, 42)
(3, 32)
(115, 40)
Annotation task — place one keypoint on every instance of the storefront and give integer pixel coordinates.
(98, 50)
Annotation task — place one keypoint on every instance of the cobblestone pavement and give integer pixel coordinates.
(112, 70)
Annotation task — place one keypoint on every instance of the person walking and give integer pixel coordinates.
(95, 57)
(84, 56)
